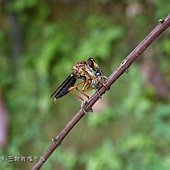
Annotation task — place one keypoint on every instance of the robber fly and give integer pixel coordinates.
(87, 71)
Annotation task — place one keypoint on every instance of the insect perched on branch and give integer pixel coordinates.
(87, 71)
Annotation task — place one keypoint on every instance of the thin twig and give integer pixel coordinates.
(160, 28)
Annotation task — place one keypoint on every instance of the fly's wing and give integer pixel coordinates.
(63, 89)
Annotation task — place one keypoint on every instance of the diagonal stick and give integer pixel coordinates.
(155, 33)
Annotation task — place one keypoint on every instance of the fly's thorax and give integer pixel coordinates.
(80, 70)
(90, 72)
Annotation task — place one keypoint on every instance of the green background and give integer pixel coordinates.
(39, 43)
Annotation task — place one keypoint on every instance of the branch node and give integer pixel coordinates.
(85, 112)
(161, 21)
(123, 62)
(127, 70)
(53, 140)
(82, 107)
(106, 86)
(98, 93)
(43, 159)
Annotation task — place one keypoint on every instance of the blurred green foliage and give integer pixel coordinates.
(132, 131)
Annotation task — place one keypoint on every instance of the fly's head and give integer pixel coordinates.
(92, 64)
(94, 68)
(97, 73)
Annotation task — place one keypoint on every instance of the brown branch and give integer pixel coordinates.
(160, 28)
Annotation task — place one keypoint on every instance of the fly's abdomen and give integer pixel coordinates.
(63, 91)
(64, 88)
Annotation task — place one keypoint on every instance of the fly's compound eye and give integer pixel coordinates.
(98, 73)
(90, 62)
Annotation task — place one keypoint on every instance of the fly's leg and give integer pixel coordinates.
(86, 84)
(85, 88)
(83, 93)
(104, 84)
(97, 91)
(83, 103)
(75, 86)
(77, 96)
(82, 106)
